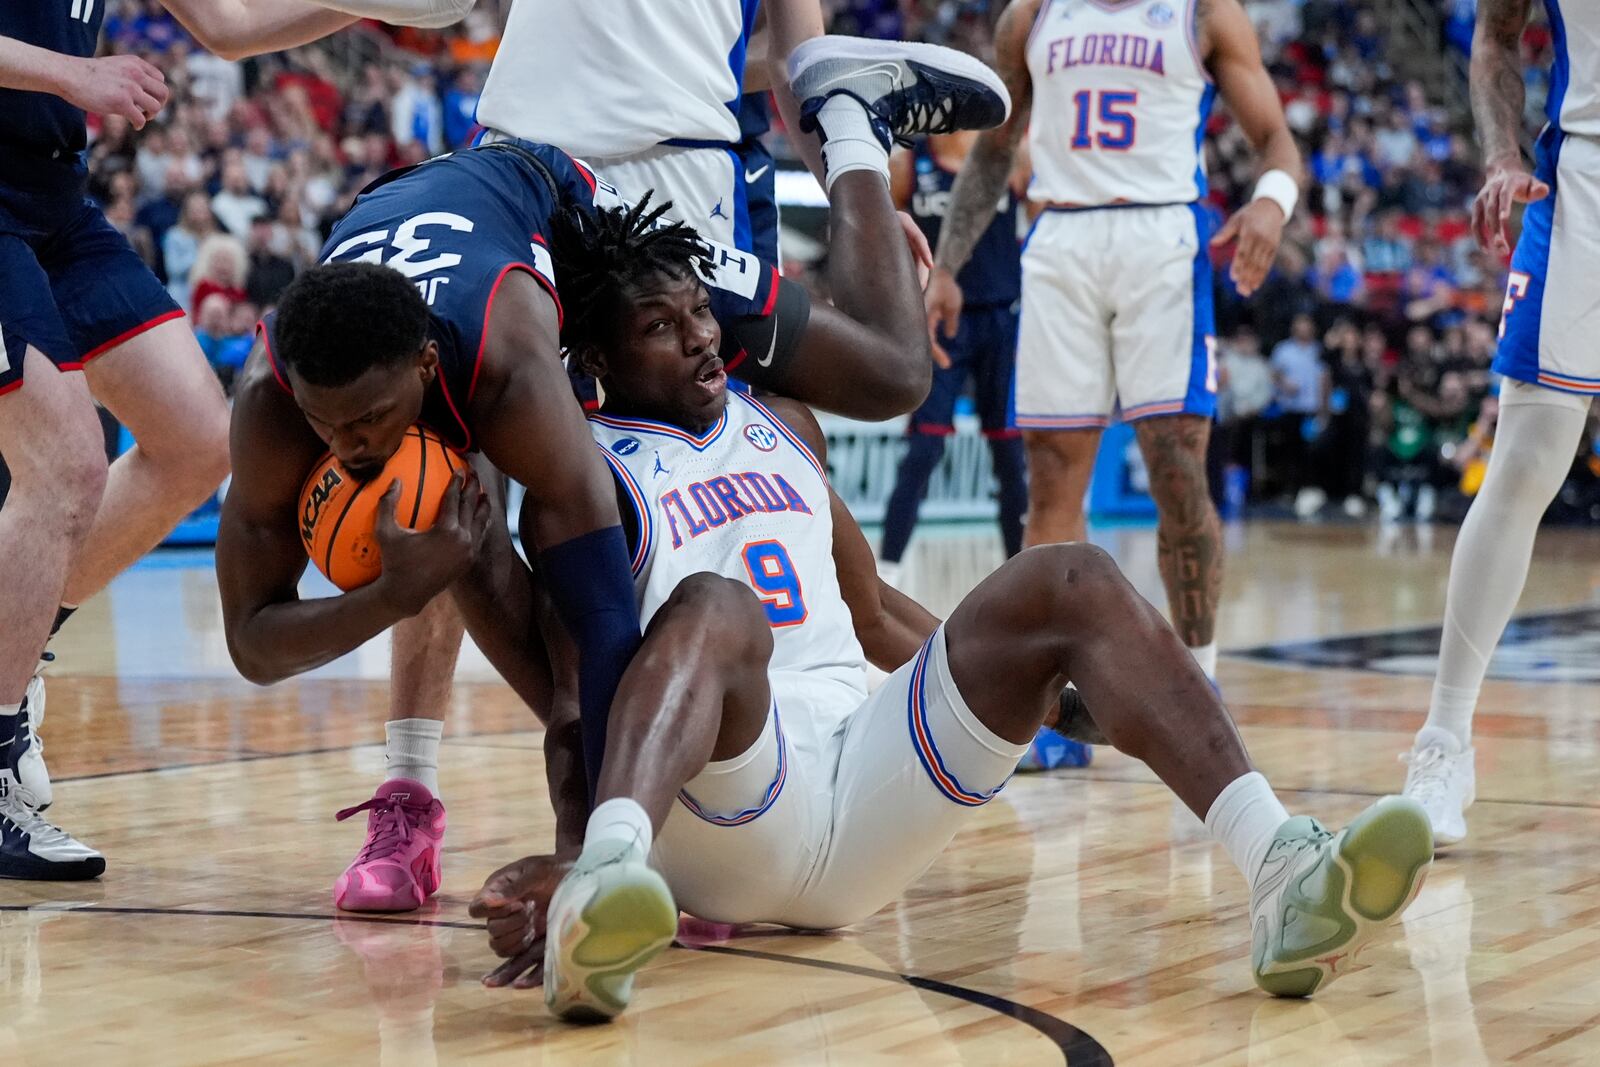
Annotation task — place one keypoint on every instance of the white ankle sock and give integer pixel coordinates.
(1243, 819)
(848, 141)
(411, 750)
(1206, 656)
(620, 819)
(8, 710)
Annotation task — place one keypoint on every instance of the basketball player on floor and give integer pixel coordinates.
(1547, 353)
(749, 776)
(1116, 275)
(74, 296)
(481, 366)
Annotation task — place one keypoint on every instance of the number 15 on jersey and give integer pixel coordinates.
(1104, 119)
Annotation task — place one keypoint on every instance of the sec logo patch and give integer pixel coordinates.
(761, 436)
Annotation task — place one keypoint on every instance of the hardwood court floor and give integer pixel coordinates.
(1083, 916)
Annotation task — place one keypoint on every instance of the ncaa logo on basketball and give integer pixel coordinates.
(314, 502)
(1160, 15)
(761, 436)
(626, 447)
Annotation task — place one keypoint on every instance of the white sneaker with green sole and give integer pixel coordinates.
(610, 916)
(1320, 898)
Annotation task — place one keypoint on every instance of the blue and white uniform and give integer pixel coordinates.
(845, 797)
(1551, 317)
(70, 284)
(1116, 297)
(646, 91)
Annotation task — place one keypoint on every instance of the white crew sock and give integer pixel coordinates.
(1534, 443)
(411, 750)
(848, 142)
(1206, 656)
(620, 819)
(1244, 819)
(10, 710)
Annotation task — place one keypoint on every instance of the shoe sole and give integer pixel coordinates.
(589, 967)
(47, 871)
(935, 57)
(1381, 860)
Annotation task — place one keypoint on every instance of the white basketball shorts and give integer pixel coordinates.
(822, 833)
(1116, 308)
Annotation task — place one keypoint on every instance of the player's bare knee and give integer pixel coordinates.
(722, 616)
(67, 491)
(1082, 581)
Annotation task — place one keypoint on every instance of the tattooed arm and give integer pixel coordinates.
(1497, 99)
(983, 178)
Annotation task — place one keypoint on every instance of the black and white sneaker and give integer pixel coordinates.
(32, 773)
(907, 89)
(35, 850)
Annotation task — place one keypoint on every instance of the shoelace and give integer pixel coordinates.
(16, 808)
(391, 831)
(1430, 774)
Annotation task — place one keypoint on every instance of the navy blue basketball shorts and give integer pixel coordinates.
(70, 285)
(984, 352)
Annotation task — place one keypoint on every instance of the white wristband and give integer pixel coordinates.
(1279, 187)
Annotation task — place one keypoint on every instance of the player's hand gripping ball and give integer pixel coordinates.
(339, 515)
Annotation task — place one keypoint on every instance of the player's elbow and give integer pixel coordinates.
(442, 13)
(252, 665)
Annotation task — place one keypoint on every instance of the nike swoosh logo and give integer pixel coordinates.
(772, 347)
(1269, 880)
(752, 175)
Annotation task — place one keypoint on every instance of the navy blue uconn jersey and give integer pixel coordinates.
(994, 273)
(458, 224)
(41, 135)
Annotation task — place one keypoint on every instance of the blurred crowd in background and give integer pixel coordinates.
(1359, 378)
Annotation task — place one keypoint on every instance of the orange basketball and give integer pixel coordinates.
(339, 515)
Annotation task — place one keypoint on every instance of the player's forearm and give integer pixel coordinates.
(563, 771)
(977, 188)
(235, 29)
(899, 629)
(1495, 78)
(1277, 151)
(282, 640)
(787, 25)
(31, 68)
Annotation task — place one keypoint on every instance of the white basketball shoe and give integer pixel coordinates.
(610, 916)
(1440, 777)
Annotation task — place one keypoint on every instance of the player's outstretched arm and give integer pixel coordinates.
(1498, 96)
(983, 178)
(235, 29)
(784, 25)
(107, 85)
(530, 427)
(890, 625)
(272, 634)
(1234, 58)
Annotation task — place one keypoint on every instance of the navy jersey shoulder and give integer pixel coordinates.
(994, 273)
(456, 226)
(38, 124)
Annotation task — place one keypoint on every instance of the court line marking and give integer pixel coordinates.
(1077, 1048)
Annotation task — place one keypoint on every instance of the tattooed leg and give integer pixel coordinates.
(1059, 465)
(1189, 535)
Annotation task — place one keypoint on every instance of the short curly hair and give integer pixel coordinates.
(600, 253)
(338, 321)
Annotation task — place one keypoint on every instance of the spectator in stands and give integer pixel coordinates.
(235, 205)
(269, 271)
(1340, 453)
(180, 247)
(416, 119)
(1245, 388)
(219, 268)
(1300, 399)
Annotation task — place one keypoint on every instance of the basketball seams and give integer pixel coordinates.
(422, 475)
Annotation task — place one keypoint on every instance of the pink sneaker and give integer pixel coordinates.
(398, 868)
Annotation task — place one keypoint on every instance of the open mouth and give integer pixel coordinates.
(711, 375)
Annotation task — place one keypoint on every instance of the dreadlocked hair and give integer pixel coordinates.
(600, 253)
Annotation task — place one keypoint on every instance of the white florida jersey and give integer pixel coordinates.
(1120, 102)
(1574, 101)
(749, 501)
(603, 78)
